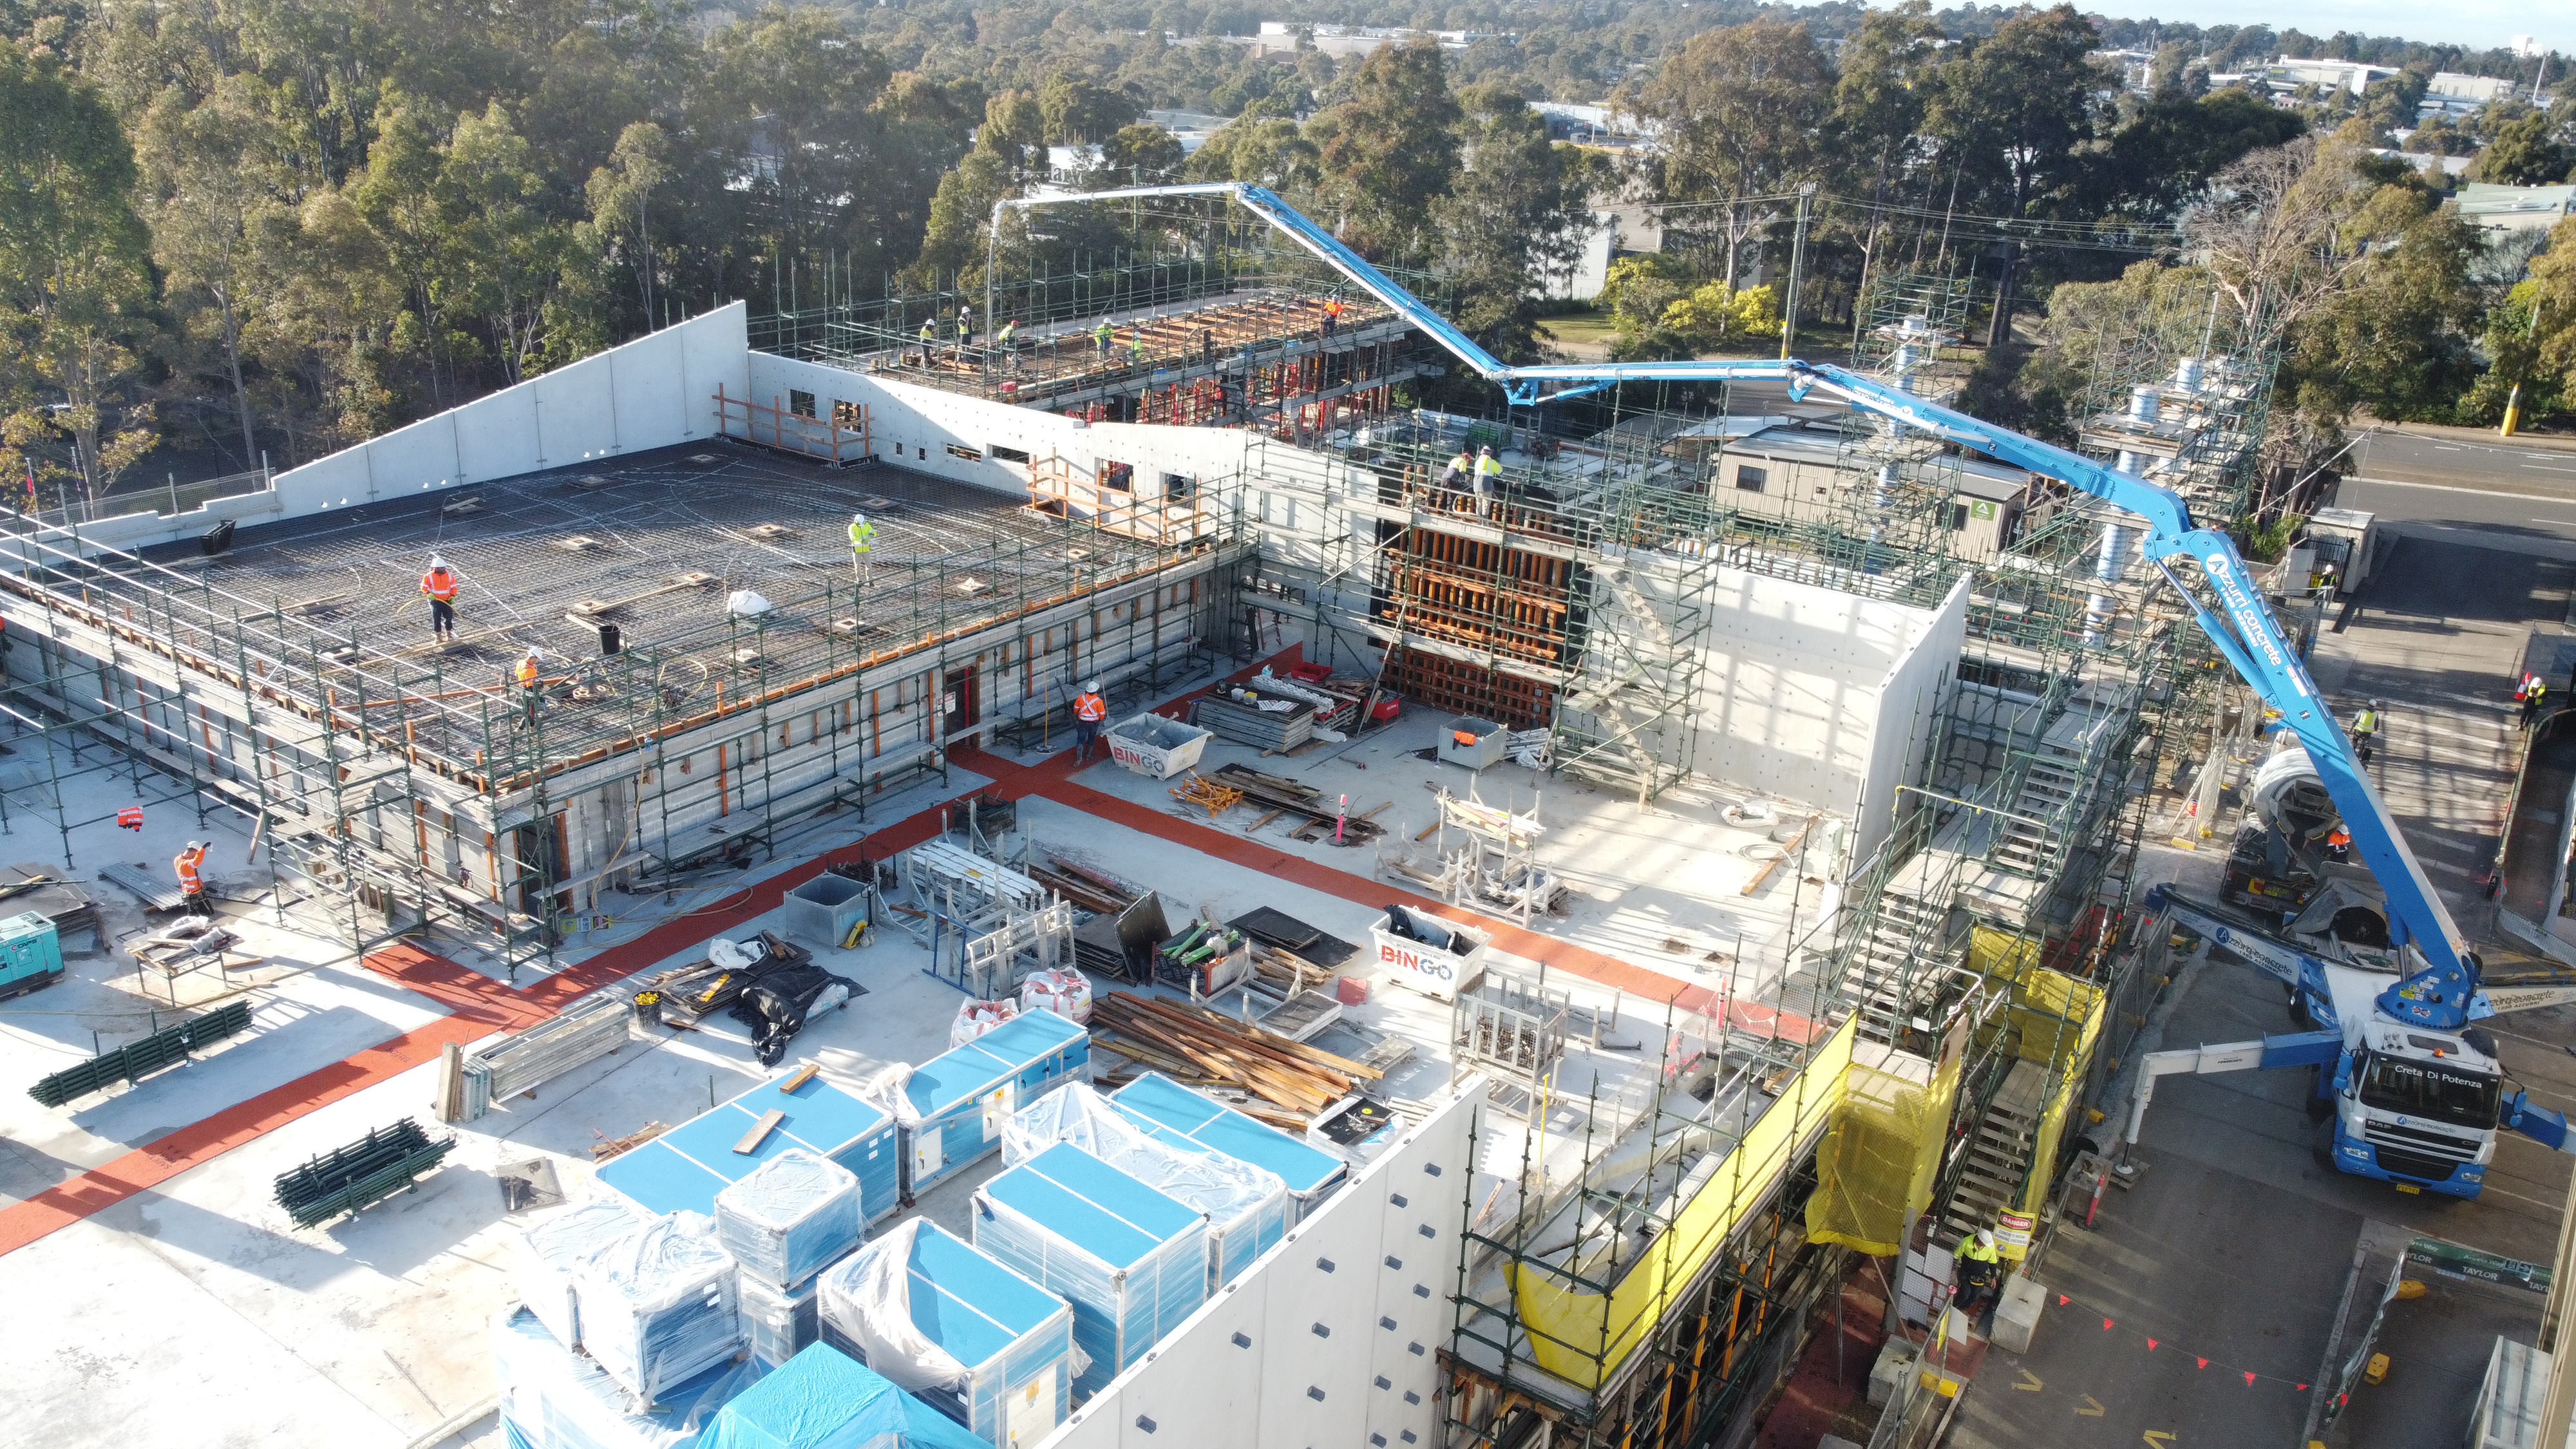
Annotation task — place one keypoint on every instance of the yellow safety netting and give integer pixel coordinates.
(1876, 1171)
(2056, 1021)
(1581, 1335)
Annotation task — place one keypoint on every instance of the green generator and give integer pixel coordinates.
(31, 954)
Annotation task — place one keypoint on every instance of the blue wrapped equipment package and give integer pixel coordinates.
(948, 1324)
(658, 1305)
(549, 1249)
(1169, 1109)
(822, 1399)
(1131, 1261)
(555, 1399)
(684, 1168)
(1246, 1206)
(789, 1217)
(777, 1322)
(953, 1106)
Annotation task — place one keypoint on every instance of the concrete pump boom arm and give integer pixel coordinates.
(2438, 996)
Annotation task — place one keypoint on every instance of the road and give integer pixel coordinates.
(2499, 487)
(2234, 1248)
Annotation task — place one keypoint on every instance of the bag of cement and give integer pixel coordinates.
(978, 1017)
(746, 604)
(1065, 992)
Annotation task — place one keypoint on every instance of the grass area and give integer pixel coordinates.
(1590, 328)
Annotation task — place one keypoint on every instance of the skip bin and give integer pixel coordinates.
(1475, 743)
(825, 910)
(684, 1168)
(1435, 957)
(1132, 1262)
(1168, 1107)
(959, 1099)
(954, 1328)
(1151, 745)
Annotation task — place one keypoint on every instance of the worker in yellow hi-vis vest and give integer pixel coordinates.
(863, 537)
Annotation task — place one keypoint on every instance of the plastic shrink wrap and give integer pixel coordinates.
(552, 1398)
(948, 1324)
(822, 1399)
(658, 1305)
(1246, 1206)
(1167, 1109)
(790, 1217)
(1131, 1261)
(777, 1322)
(549, 1248)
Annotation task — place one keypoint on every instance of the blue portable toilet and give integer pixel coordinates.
(961, 1098)
(1131, 1261)
(998, 1345)
(1156, 1101)
(684, 1168)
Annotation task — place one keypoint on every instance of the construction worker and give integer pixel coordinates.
(2365, 730)
(1009, 338)
(929, 341)
(191, 866)
(1136, 347)
(2531, 701)
(531, 677)
(441, 584)
(1332, 318)
(130, 818)
(1978, 1275)
(1489, 479)
(965, 325)
(1101, 337)
(1089, 709)
(1453, 479)
(2339, 845)
(863, 537)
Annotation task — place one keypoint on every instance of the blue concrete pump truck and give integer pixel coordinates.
(2416, 1093)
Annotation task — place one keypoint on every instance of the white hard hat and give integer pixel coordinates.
(1985, 1237)
(535, 653)
(436, 562)
(1091, 686)
(196, 845)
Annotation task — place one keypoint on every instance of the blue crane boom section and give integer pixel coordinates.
(2246, 634)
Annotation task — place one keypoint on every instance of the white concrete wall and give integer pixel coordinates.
(1332, 1337)
(916, 426)
(651, 393)
(1793, 679)
(1910, 701)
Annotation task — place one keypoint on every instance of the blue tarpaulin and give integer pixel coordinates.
(824, 1399)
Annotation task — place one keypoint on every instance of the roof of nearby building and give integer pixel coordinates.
(1807, 443)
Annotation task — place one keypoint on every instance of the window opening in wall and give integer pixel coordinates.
(1118, 476)
(848, 414)
(971, 455)
(1177, 486)
(1001, 454)
(801, 404)
(1751, 479)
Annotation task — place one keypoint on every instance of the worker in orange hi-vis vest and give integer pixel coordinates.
(1089, 709)
(191, 866)
(530, 675)
(441, 584)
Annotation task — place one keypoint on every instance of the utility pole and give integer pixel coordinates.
(1797, 259)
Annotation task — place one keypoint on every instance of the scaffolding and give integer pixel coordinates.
(408, 785)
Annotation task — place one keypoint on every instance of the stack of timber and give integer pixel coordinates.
(1086, 888)
(1282, 796)
(1198, 1046)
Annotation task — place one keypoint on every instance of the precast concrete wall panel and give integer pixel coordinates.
(576, 413)
(1321, 1341)
(1910, 700)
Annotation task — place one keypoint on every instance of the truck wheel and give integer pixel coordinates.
(2320, 1107)
(2322, 1145)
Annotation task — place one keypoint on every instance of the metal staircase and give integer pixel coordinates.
(1993, 1160)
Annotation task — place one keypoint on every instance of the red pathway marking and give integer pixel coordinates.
(479, 1005)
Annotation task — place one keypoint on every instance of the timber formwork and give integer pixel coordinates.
(407, 784)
